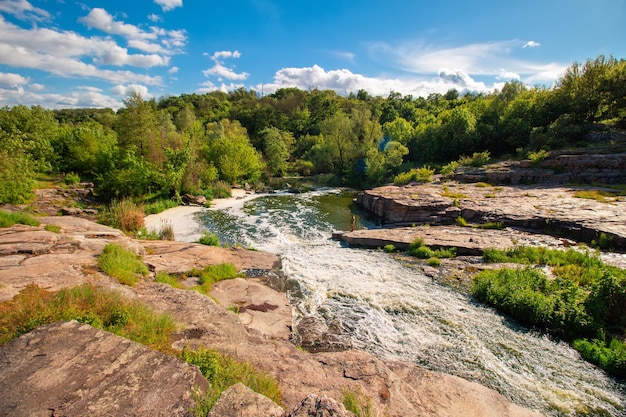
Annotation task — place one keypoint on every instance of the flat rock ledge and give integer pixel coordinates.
(552, 210)
(72, 369)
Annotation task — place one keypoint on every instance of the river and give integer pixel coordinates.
(389, 308)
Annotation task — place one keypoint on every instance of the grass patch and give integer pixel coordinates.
(461, 221)
(477, 159)
(492, 225)
(212, 274)
(106, 310)
(209, 239)
(358, 403)
(157, 206)
(53, 228)
(450, 194)
(122, 264)
(422, 175)
(8, 219)
(418, 249)
(222, 371)
(482, 184)
(600, 196)
(536, 157)
(434, 261)
(171, 280)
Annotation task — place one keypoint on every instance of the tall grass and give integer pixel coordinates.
(124, 215)
(158, 206)
(8, 219)
(358, 403)
(122, 264)
(106, 310)
(222, 371)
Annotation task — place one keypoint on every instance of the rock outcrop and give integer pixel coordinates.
(552, 210)
(241, 401)
(71, 369)
(31, 255)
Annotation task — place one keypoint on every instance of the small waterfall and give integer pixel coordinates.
(394, 311)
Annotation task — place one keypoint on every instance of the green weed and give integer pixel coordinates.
(8, 219)
(122, 264)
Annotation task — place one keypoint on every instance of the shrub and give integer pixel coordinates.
(8, 219)
(71, 178)
(100, 308)
(433, 261)
(536, 157)
(389, 248)
(477, 159)
(422, 175)
(611, 357)
(209, 239)
(122, 264)
(449, 168)
(124, 215)
(222, 371)
(166, 232)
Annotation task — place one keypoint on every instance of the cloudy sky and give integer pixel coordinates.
(84, 53)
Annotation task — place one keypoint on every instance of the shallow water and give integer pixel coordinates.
(394, 311)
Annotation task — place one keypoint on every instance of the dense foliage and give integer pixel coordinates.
(163, 148)
(584, 302)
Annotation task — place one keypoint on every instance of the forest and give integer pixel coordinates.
(163, 148)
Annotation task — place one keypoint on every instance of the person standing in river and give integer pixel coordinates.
(352, 224)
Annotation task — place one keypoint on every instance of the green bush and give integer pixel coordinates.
(389, 248)
(477, 159)
(611, 357)
(122, 264)
(536, 157)
(421, 175)
(158, 206)
(209, 239)
(71, 178)
(8, 219)
(449, 168)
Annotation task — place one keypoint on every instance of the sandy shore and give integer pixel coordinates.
(185, 220)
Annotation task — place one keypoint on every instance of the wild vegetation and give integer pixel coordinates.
(159, 149)
(584, 301)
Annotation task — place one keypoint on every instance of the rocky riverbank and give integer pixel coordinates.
(75, 378)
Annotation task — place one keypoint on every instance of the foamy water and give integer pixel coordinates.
(393, 311)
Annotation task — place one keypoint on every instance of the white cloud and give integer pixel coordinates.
(64, 53)
(220, 70)
(477, 59)
(173, 70)
(154, 18)
(124, 90)
(100, 19)
(73, 99)
(507, 75)
(208, 86)
(344, 81)
(23, 10)
(9, 79)
(169, 4)
(531, 44)
(347, 56)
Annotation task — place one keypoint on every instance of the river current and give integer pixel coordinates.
(389, 308)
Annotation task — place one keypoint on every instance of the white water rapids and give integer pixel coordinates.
(394, 311)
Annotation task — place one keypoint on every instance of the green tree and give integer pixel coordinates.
(276, 146)
(230, 151)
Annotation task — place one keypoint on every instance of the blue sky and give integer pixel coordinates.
(66, 53)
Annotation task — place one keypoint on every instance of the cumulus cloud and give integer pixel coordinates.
(154, 18)
(222, 71)
(23, 10)
(531, 44)
(344, 81)
(169, 4)
(507, 75)
(173, 70)
(31, 96)
(125, 90)
(9, 79)
(208, 86)
(477, 59)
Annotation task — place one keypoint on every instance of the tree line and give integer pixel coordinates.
(162, 148)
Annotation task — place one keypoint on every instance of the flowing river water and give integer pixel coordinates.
(389, 308)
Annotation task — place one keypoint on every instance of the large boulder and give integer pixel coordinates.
(241, 401)
(73, 369)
